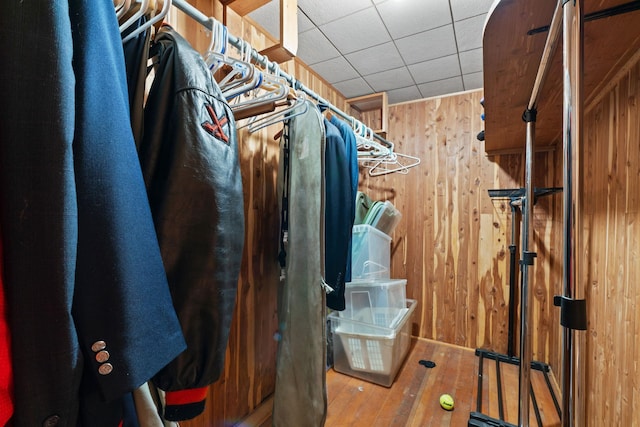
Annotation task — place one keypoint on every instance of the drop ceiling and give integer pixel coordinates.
(411, 49)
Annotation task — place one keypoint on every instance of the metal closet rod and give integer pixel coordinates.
(238, 43)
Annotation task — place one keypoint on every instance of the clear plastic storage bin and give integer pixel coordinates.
(372, 353)
(370, 253)
(364, 298)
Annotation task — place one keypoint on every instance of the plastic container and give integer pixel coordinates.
(369, 352)
(363, 298)
(370, 253)
(386, 218)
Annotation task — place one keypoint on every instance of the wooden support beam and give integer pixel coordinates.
(287, 47)
(244, 7)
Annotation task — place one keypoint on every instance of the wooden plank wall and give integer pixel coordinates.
(452, 242)
(612, 246)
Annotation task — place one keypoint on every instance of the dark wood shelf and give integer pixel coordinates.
(511, 60)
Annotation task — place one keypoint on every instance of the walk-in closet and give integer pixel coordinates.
(305, 213)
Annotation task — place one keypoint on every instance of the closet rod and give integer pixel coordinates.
(238, 43)
(547, 55)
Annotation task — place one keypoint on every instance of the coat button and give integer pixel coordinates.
(52, 421)
(98, 345)
(105, 369)
(102, 356)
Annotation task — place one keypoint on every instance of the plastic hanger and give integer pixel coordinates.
(123, 8)
(368, 148)
(158, 17)
(144, 5)
(219, 39)
(272, 89)
(380, 167)
(119, 5)
(241, 76)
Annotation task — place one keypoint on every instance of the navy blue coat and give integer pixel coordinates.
(338, 215)
(90, 311)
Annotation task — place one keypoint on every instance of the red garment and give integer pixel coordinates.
(6, 377)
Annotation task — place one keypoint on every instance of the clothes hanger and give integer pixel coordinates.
(124, 8)
(294, 107)
(380, 167)
(215, 56)
(166, 5)
(219, 39)
(368, 148)
(118, 5)
(144, 5)
(272, 90)
(241, 76)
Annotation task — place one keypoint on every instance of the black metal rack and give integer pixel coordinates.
(478, 419)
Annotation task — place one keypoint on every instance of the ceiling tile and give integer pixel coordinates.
(436, 69)
(304, 23)
(354, 87)
(353, 48)
(473, 81)
(313, 47)
(268, 17)
(391, 79)
(375, 59)
(463, 9)
(357, 31)
(471, 61)
(322, 12)
(441, 87)
(469, 32)
(403, 94)
(335, 70)
(427, 45)
(404, 18)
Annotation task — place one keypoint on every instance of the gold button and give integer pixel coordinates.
(102, 356)
(105, 369)
(98, 345)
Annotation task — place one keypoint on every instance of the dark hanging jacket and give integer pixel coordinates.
(338, 216)
(189, 158)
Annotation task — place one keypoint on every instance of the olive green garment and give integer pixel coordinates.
(300, 398)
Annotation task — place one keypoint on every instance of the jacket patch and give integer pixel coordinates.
(215, 127)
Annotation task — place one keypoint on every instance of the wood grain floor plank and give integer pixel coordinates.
(413, 398)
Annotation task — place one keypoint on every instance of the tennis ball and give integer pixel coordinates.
(446, 401)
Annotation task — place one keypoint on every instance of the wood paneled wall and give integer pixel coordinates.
(451, 245)
(452, 242)
(611, 220)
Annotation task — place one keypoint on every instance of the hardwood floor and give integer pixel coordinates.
(413, 399)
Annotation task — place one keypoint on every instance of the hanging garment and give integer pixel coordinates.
(351, 152)
(300, 394)
(363, 204)
(338, 215)
(136, 52)
(6, 374)
(189, 158)
(86, 290)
